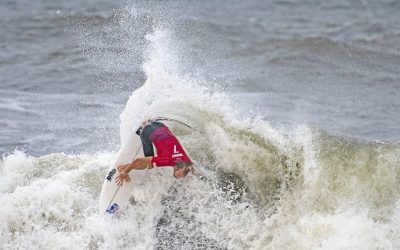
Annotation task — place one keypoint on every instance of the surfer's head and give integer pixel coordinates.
(181, 169)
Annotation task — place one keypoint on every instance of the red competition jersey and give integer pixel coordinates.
(169, 150)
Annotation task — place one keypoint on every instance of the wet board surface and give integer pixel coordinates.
(114, 198)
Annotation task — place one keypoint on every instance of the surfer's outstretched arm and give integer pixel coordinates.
(137, 164)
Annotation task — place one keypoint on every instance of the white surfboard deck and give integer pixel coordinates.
(114, 198)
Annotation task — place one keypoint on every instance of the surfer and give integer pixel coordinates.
(169, 152)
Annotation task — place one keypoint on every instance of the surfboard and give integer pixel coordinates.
(114, 198)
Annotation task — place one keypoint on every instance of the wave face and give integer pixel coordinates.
(255, 186)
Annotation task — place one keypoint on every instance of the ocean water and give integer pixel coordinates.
(298, 101)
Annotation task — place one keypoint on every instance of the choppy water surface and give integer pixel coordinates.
(299, 104)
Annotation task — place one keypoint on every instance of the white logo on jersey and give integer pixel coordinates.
(176, 153)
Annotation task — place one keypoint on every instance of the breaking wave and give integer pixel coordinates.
(255, 186)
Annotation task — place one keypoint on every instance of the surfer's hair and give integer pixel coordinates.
(187, 165)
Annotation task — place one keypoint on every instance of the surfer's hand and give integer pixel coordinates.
(121, 178)
(123, 168)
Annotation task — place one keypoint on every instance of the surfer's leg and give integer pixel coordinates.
(146, 142)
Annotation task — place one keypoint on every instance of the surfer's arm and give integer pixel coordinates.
(137, 164)
(140, 163)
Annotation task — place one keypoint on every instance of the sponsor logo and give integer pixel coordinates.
(114, 208)
(176, 153)
(111, 174)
